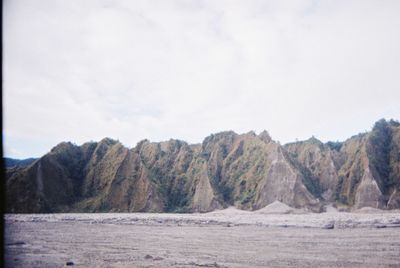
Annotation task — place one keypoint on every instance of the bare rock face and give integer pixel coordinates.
(362, 171)
(103, 166)
(116, 180)
(50, 182)
(319, 162)
(253, 171)
(283, 183)
(247, 171)
(358, 187)
(204, 199)
(368, 193)
(369, 175)
(132, 190)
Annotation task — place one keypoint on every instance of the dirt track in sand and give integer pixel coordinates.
(115, 240)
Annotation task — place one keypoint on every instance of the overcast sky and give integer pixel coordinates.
(83, 70)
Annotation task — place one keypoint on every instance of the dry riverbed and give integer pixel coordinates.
(227, 238)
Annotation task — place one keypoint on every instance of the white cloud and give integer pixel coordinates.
(81, 71)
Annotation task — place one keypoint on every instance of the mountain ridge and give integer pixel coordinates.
(13, 162)
(248, 171)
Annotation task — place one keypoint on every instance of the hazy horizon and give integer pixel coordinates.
(80, 71)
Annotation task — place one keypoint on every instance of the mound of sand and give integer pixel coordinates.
(331, 209)
(277, 207)
(229, 211)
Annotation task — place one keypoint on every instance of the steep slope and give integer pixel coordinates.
(319, 163)
(370, 174)
(248, 171)
(384, 158)
(356, 185)
(49, 183)
(253, 171)
(167, 163)
(360, 172)
(115, 179)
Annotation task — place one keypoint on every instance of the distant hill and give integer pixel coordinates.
(247, 171)
(11, 162)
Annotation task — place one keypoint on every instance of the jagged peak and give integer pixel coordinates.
(314, 140)
(108, 141)
(140, 144)
(394, 123)
(173, 141)
(248, 136)
(65, 145)
(89, 143)
(220, 136)
(170, 144)
(143, 141)
(251, 133)
(264, 136)
(233, 164)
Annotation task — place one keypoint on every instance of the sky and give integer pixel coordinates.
(83, 70)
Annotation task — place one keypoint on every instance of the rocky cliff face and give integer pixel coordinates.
(319, 163)
(362, 171)
(248, 171)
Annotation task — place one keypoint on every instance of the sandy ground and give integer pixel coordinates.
(227, 238)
